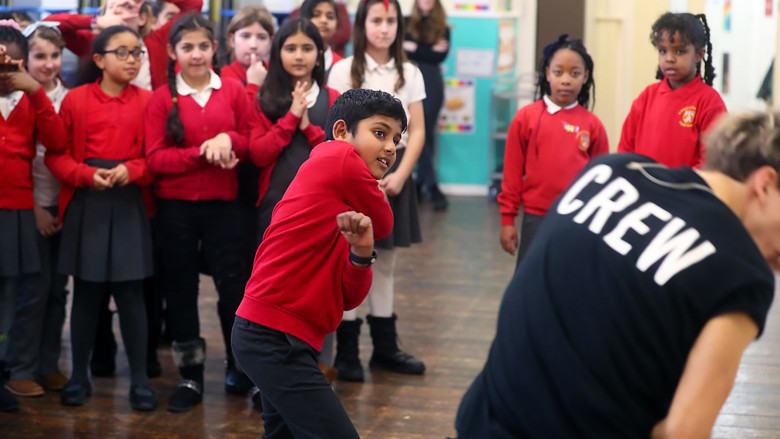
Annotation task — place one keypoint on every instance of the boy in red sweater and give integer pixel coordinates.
(314, 263)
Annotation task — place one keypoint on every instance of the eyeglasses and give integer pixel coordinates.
(123, 52)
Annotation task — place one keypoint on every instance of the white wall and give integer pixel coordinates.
(750, 45)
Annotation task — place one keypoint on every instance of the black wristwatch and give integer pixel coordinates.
(355, 259)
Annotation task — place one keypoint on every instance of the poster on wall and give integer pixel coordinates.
(478, 63)
(457, 114)
(506, 47)
(472, 5)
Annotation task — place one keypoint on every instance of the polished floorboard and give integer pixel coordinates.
(448, 290)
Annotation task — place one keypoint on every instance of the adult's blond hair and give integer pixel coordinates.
(740, 143)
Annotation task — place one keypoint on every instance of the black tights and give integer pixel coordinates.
(87, 301)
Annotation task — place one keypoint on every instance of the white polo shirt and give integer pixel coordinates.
(382, 77)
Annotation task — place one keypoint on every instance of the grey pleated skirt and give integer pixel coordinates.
(19, 243)
(406, 222)
(106, 236)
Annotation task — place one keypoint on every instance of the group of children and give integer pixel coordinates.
(159, 166)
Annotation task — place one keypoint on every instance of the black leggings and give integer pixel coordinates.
(297, 400)
(87, 302)
(188, 228)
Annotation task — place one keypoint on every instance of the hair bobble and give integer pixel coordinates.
(549, 50)
(11, 23)
(29, 30)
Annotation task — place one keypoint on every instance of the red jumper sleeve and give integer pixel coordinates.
(76, 31)
(361, 192)
(710, 114)
(628, 134)
(61, 163)
(267, 140)
(49, 128)
(162, 156)
(239, 137)
(511, 195)
(600, 142)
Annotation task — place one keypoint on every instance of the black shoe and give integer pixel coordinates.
(187, 395)
(387, 355)
(153, 369)
(347, 360)
(398, 362)
(142, 398)
(75, 394)
(257, 400)
(8, 401)
(438, 199)
(236, 381)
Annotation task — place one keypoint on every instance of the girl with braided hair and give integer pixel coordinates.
(549, 141)
(668, 119)
(197, 130)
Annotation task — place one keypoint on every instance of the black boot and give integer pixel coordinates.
(189, 356)
(8, 401)
(347, 351)
(236, 381)
(386, 354)
(438, 199)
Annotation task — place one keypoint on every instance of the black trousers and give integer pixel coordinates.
(298, 402)
(528, 228)
(187, 229)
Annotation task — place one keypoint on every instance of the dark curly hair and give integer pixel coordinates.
(693, 29)
(543, 86)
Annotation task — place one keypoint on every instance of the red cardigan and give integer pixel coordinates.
(667, 125)
(68, 166)
(182, 174)
(236, 71)
(302, 280)
(77, 33)
(32, 118)
(267, 139)
(543, 154)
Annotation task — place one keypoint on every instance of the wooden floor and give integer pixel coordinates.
(447, 293)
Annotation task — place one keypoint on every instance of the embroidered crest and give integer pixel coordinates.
(583, 140)
(687, 116)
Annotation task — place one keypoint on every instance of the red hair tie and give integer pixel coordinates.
(386, 2)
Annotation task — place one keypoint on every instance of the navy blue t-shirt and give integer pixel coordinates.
(595, 328)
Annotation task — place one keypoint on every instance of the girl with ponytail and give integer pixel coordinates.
(197, 131)
(667, 120)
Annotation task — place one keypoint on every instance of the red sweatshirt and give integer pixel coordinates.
(100, 126)
(267, 140)
(667, 125)
(182, 174)
(543, 154)
(302, 280)
(32, 118)
(77, 33)
(236, 71)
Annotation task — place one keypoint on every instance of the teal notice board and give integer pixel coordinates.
(464, 157)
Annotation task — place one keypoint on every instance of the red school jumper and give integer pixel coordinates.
(543, 154)
(268, 139)
(182, 174)
(77, 33)
(32, 118)
(100, 126)
(667, 125)
(236, 71)
(302, 280)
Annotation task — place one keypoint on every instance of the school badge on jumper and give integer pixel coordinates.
(687, 115)
(583, 140)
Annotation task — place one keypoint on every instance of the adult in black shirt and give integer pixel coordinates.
(427, 43)
(630, 313)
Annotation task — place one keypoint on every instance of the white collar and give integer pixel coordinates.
(185, 90)
(313, 93)
(553, 108)
(14, 96)
(372, 65)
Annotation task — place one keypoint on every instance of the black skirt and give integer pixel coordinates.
(406, 222)
(106, 236)
(19, 243)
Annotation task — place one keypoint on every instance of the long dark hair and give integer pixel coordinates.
(588, 88)
(308, 6)
(10, 35)
(88, 71)
(174, 128)
(274, 96)
(359, 43)
(430, 30)
(693, 29)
